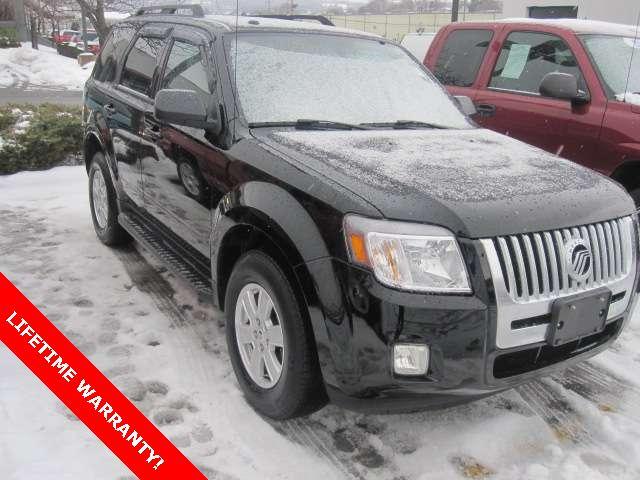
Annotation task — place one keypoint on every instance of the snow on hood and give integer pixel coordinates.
(469, 165)
(475, 181)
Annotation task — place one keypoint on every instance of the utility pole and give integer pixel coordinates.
(455, 6)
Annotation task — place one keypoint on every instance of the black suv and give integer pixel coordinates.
(369, 244)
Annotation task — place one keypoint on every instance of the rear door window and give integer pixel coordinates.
(461, 56)
(140, 66)
(112, 53)
(526, 57)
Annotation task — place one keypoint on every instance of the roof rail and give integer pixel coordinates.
(318, 18)
(196, 10)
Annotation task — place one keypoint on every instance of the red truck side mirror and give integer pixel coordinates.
(563, 86)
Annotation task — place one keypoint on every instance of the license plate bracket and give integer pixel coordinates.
(578, 316)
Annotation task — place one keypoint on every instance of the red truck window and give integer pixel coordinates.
(526, 57)
(461, 56)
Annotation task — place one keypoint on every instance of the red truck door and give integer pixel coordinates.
(509, 101)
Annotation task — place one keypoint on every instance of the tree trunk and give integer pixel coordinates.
(34, 31)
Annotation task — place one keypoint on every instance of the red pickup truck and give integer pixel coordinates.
(571, 87)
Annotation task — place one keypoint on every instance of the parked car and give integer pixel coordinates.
(64, 36)
(367, 241)
(93, 42)
(567, 86)
(418, 43)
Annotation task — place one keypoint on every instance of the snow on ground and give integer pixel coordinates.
(164, 347)
(43, 68)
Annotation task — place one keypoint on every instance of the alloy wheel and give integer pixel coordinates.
(259, 335)
(100, 198)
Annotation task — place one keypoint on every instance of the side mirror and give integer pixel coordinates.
(466, 105)
(563, 86)
(185, 107)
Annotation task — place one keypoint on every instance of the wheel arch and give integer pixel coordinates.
(628, 174)
(92, 145)
(263, 215)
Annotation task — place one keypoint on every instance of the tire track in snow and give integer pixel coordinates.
(306, 433)
(550, 405)
(602, 388)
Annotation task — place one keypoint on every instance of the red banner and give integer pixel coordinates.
(87, 392)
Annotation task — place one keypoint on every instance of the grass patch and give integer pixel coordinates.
(38, 137)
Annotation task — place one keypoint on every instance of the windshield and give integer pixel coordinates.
(285, 77)
(618, 62)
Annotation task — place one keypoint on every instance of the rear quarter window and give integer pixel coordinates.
(461, 56)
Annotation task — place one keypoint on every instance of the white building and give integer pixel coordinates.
(619, 11)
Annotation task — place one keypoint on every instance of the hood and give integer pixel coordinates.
(475, 182)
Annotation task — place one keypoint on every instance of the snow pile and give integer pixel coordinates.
(43, 68)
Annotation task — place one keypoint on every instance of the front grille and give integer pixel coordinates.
(533, 265)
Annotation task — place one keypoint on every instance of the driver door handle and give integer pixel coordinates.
(152, 130)
(109, 110)
(486, 109)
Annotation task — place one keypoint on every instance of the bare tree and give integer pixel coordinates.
(94, 11)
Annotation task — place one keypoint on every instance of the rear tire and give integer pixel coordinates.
(296, 388)
(104, 204)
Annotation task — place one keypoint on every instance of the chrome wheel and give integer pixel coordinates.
(100, 198)
(189, 179)
(259, 335)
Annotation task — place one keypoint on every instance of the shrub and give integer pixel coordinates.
(39, 137)
(8, 38)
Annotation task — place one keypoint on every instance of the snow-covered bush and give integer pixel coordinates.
(39, 137)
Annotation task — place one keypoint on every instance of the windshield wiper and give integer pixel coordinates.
(309, 124)
(407, 124)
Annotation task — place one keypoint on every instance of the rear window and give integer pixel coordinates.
(461, 56)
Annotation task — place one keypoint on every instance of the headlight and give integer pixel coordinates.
(408, 256)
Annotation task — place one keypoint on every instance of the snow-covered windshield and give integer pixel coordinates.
(618, 62)
(285, 77)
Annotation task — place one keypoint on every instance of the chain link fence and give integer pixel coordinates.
(396, 26)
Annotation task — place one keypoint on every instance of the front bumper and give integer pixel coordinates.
(356, 331)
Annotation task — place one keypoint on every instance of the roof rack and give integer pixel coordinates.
(318, 18)
(196, 10)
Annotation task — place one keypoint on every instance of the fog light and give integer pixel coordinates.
(410, 359)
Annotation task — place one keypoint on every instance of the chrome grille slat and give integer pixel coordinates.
(504, 252)
(597, 269)
(603, 251)
(520, 262)
(615, 233)
(610, 254)
(585, 236)
(543, 264)
(534, 263)
(531, 265)
(548, 239)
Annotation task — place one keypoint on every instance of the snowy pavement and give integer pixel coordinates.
(151, 334)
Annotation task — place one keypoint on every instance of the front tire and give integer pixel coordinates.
(104, 204)
(270, 342)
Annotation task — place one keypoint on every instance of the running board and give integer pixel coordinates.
(177, 255)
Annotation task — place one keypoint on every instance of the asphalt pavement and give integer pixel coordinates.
(36, 95)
